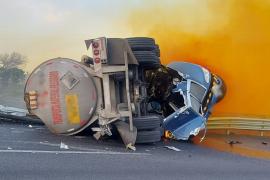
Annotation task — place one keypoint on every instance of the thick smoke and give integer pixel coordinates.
(231, 38)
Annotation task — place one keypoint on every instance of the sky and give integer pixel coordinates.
(52, 28)
(231, 38)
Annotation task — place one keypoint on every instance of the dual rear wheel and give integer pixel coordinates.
(147, 53)
(148, 128)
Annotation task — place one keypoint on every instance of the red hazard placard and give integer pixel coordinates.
(55, 97)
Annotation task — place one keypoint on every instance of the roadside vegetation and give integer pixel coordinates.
(12, 78)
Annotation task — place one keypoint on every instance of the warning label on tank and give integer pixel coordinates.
(55, 97)
(69, 80)
(72, 108)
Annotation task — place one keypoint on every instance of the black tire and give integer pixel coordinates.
(148, 136)
(157, 51)
(147, 58)
(141, 43)
(147, 122)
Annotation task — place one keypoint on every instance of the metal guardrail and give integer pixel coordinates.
(242, 123)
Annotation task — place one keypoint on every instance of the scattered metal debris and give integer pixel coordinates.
(172, 148)
(232, 142)
(130, 146)
(264, 143)
(63, 146)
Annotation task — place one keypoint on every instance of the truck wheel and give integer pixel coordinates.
(147, 59)
(141, 43)
(147, 122)
(157, 50)
(148, 136)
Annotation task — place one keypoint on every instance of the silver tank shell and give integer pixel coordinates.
(67, 95)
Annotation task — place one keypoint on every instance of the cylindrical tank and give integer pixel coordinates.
(66, 95)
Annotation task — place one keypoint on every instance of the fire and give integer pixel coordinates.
(231, 38)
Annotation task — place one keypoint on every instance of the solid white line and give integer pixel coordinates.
(71, 152)
(71, 147)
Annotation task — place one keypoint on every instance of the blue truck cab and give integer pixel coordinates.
(200, 90)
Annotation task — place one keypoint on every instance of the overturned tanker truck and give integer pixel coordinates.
(123, 86)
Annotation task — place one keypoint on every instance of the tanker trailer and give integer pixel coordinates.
(123, 86)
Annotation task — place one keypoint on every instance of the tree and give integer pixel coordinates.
(12, 60)
(10, 67)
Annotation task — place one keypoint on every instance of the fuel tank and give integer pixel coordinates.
(65, 95)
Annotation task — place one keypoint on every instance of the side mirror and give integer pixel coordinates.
(219, 88)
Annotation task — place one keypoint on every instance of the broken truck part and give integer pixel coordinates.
(199, 90)
(123, 86)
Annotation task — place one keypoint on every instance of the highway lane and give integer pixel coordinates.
(32, 152)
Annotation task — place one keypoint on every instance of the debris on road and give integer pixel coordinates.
(63, 146)
(232, 142)
(30, 126)
(131, 147)
(264, 143)
(172, 148)
(80, 137)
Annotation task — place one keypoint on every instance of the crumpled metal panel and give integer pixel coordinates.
(184, 123)
(189, 120)
(193, 72)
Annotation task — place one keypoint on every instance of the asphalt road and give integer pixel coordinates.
(35, 153)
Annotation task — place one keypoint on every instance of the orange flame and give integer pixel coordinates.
(231, 38)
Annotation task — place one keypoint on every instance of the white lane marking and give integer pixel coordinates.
(46, 143)
(72, 147)
(71, 152)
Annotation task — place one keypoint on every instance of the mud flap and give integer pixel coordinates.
(128, 137)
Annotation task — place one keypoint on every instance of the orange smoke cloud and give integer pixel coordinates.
(231, 38)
